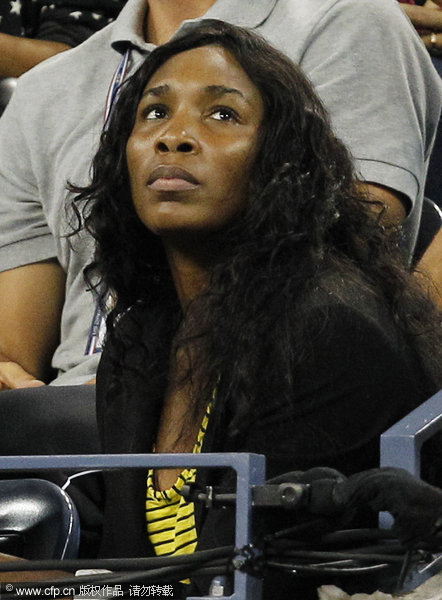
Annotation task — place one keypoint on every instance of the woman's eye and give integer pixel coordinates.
(153, 113)
(224, 114)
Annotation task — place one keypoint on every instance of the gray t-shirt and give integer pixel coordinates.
(364, 58)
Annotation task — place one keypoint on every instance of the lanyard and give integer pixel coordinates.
(115, 88)
(97, 330)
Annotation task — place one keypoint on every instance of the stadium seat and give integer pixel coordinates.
(38, 520)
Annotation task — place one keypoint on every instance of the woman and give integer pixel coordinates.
(258, 305)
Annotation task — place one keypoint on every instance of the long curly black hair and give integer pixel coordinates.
(305, 218)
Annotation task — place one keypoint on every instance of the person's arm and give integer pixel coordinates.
(31, 299)
(383, 95)
(429, 269)
(61, 26)
(18, 55)
(427, 20)
(392, 203)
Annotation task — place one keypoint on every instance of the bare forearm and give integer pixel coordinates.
(429, 269)
(386, 201)
(31, 299)
(18, 54)
(428, 22)
(423, 17)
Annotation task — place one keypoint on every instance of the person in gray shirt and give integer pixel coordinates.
(363, 57)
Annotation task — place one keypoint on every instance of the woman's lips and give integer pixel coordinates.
(171, 179)
(174, 184)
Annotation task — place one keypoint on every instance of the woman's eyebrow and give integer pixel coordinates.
(214, 90)
(221, 90)
(160, 90)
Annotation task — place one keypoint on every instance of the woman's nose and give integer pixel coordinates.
(180, 141)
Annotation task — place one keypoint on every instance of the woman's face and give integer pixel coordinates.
(194, 143)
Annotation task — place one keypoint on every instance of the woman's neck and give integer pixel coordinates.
(164, 17)
(190, 271)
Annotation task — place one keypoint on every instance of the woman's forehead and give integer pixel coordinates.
(205, 66)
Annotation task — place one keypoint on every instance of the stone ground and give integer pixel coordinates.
(430, 590)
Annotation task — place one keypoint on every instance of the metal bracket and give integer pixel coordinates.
(401, 444)
(421, 573)
(250, 471)
(288, 495)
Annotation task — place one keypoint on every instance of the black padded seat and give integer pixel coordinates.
(38, 520)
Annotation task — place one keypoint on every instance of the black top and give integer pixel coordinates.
(66, 21)
(359, 377)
